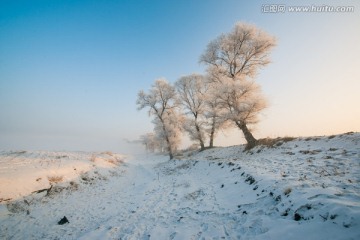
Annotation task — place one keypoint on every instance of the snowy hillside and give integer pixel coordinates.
(306, 188)
(23, 172)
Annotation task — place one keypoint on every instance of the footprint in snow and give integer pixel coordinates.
(172, 236)
(204, 226)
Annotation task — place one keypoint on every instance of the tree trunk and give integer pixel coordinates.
(211, 143)
(251, 141)
(171, 156)
(202, 145)
(169, 145)
(167, 140)
(212, 133)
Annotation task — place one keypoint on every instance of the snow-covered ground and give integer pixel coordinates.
(307, 188)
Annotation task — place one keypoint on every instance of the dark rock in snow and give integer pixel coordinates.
(250, 179)
(297, 217)
(63, 221)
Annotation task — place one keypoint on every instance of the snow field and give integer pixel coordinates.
(307, 188)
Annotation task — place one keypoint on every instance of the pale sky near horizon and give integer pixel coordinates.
(70, 71)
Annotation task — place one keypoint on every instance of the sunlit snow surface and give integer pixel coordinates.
(307, 188)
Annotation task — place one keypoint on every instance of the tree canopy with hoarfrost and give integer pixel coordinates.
(192, 93)
(233, 61)
(162, 103)
(228, 93)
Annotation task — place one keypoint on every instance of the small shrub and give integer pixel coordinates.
(284, 214)
(55, 190)
(289, 153)
(73, 186)
(55, 179)
(4, 199)
(108, 153)
(312, 139)
(269, 142)
(287, 191)
(185, 165)
(346, 225)
(17, 152)
(274, 142)
(93, 158)
(195, 195)
(114, 161)
(85, 177)
(287, 139)
(311, 152)
(17, 206)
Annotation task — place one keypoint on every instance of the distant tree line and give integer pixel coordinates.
(202, 104)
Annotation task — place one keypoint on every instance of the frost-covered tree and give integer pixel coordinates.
(173, 121)
(162, 103)
(214, 114)
(150, 142)
(147, 141)
(236, 57)
(241, 101)
(192, 92)
(239, 53)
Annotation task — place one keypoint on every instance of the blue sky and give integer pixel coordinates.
(70, 70)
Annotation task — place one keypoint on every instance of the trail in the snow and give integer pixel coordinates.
(168, 200)
(146, 199)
